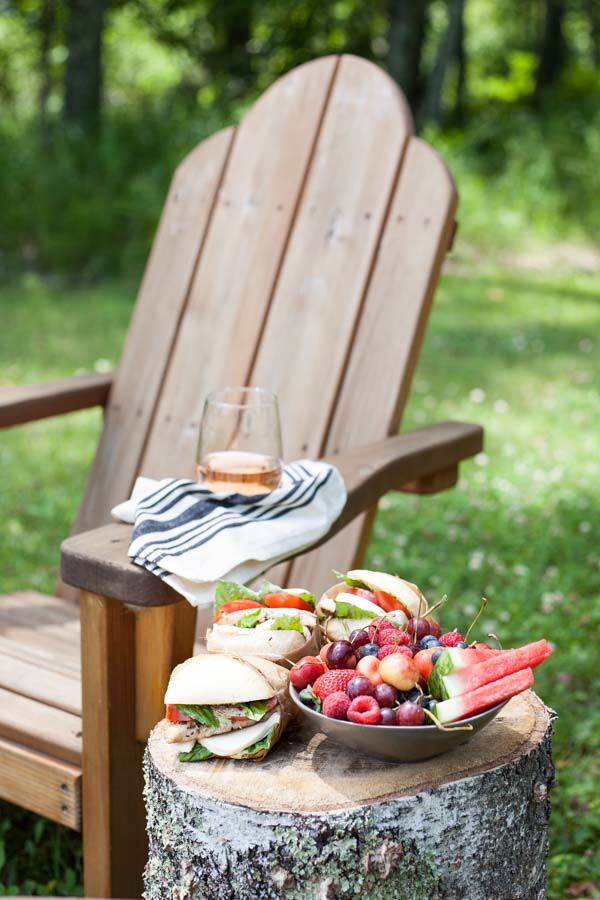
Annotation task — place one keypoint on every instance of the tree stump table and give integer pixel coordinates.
(316, 820)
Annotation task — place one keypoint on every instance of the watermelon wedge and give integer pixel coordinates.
(482, 698)
(505, 663)
(453, 658)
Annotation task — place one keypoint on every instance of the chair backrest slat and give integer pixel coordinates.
(159, 308)
(334, 241)
(385, 349)
(300, 253)
(245, 246)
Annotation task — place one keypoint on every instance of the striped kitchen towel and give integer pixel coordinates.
(191, 537)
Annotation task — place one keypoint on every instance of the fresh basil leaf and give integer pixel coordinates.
(196, 754)
(257, 710)
(348, 611)
(267, 587)
(263, 744)
(226, 591)
(351, 582)
(204, 715)
(250, 619)
(310, 699)
(287, 623)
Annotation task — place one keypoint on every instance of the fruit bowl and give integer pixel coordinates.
(397, 742)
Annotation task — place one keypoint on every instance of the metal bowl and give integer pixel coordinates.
(397, 742)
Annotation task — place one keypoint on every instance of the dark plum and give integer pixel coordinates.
(359, 637)
(409, 714)
(414, 648)
(434, 628)
(417, 628)
(340, 655)
(359, 687)
(388, 716)
(385, 694)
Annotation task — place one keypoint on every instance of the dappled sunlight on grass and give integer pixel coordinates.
(518, 353)
(521, 528)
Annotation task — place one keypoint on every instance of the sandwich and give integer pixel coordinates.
(276, 623)
(361, 596)
(222, 706)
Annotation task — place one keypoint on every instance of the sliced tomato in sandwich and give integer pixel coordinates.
(286, 601)
(237, 606)
(387, 602)
(173, 715)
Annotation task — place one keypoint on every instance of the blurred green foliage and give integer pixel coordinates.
(86, 204)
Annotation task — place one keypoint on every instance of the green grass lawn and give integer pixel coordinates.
(516, 352)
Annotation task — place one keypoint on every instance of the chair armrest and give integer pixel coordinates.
(26, 403)
(97, 560)
(400, 462)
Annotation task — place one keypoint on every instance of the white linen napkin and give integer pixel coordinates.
(191, 537)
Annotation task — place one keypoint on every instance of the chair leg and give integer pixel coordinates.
(126, 656)
(114, 839)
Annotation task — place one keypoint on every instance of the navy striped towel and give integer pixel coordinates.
(191, 537)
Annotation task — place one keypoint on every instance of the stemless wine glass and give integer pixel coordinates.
(239, 448)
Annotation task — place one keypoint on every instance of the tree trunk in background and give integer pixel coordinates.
(448, 51)
(47, 21)
(83, 74)
(594, 18)
(408, 25)
(553, 48)
(461, 74)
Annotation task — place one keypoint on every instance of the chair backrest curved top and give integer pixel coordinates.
(298, 251)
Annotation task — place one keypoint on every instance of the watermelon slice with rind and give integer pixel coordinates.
(506, 663)
(452, 659)
(473, 702)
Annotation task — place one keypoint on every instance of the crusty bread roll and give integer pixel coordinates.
(209, 680)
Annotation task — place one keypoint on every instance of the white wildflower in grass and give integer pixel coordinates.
(385, 503)
(482, 459)
(501, 407)
(551, 599)
(469, 609)
(584, 527)
(103, 365)
(585, 345)
(551, 572)
(477, 395)
(476, 560)
(520, 570)
(504, 615)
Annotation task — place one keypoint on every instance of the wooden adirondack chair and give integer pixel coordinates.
(298, 251)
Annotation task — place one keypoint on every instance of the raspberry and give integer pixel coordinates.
(336, 705)
(332, 681)
(379, 627)
(389, 649)
(364, 711)
(400, 638)
(451, 638)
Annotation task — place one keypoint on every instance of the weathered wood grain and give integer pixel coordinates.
(41, 783)
(114, 844)
(316, 820)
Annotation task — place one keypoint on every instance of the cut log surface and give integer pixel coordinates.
(316, 820)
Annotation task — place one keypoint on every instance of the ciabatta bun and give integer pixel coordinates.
(214, 678)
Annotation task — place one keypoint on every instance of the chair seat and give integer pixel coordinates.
(40, 705)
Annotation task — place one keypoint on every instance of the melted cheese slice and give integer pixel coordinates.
(238, 741)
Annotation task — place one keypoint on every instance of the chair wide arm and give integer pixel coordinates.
(427, 456)
(27, 403)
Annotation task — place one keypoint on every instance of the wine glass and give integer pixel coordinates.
(239, 448)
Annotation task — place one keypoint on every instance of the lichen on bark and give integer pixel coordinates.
(482, 837)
